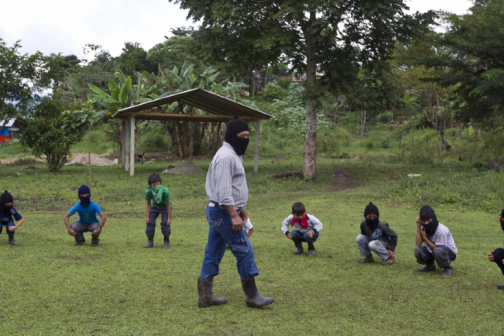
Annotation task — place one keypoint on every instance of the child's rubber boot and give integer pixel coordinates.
(206, 298)
(254, 299)
(311, 250)
(94, 241)
(166, 242)
(12, 241)
(299, 248)
(427, 268)
(150, 243)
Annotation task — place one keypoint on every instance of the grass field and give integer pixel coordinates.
(51, 287)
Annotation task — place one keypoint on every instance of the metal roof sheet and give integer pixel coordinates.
(10, 123)
(198, 98)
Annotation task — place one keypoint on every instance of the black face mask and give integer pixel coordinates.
(372, 224)
(239, 144)
(85, 201)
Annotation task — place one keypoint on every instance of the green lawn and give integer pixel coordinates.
(51, 287)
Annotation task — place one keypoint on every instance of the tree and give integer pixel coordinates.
(327, 39)
(471, 61)
(182, 31)
(21, 77)
(134, 58)
(173, 52)
(44, 133)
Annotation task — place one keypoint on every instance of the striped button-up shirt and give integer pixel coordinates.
(225, 181)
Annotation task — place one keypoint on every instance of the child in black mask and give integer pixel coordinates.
(7, 216)
(497, 256)
(376, 236)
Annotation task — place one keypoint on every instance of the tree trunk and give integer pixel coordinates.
(310, 146)
(89, 159)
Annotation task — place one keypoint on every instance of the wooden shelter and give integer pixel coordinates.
(220, 109)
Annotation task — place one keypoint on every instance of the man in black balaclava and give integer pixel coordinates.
(227, 191)
(497, 256)
(439, 243)
(376, 236)
(235, 136)
(7, 216)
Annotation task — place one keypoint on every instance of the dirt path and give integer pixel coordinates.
(342, 180)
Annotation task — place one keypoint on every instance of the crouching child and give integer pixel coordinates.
(307, 229)
(376, 236)
(439, 244)
(7, 216)
(88, 222)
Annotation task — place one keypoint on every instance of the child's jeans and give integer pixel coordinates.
(298, 237)
(7, 224)
(80, 228)
(366, 246)
(150, 229)
(441, 254)
(220, 233)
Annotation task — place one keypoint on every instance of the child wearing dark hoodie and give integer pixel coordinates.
(87, 210)
(439, 244)
(376, 236)
(7, 216)
(497, 256)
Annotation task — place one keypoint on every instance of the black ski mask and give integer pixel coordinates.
(4, 199)
(372, 224)
(85, 201)
(426, 213)
(235, 126)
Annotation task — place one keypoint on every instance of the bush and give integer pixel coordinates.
(44, 134)
(273, 91)
(284, 82)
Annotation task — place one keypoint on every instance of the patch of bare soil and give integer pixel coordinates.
(186, 168)
(342, 180)
(43, 204)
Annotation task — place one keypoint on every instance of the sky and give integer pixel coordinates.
(66, 26)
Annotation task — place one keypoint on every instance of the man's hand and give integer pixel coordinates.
(237, 222)
(391, 254)
(418, 223)
(71, 232)
(250, 232)
(491, 257)
(147, 221)
(310, 234)
(96, 232)
(289, 235)
(168, 222)
(12, 228)
(244, 215)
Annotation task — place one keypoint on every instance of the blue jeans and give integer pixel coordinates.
(220, 233)
(150, 228)
(366, 246)
(298, 237)
(441, 254)
(7, 224)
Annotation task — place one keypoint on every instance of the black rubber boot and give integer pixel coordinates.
(206, 298)
(311, 250)
(166, 242)
(78, 241)
(12, 241)
(94, 241)
(150, 243)
(427, 268)
(254, 299)
(299, 248)
(447, 271)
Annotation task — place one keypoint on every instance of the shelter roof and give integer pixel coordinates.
(221, 109)
(10, 123)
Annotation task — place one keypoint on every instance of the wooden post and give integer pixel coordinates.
(132, 148)
(256, 151)
(123, 144)
(127, 129)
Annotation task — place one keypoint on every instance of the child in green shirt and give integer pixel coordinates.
(160, 196)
